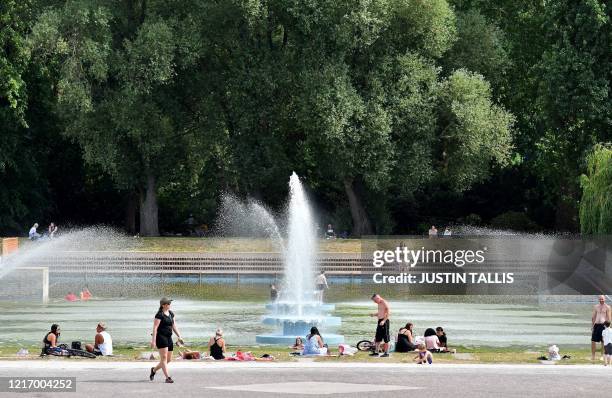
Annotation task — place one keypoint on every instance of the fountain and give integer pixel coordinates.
(296, 309)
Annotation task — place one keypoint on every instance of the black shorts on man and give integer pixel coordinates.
(608, 349)
(382, 332)
(598, 328)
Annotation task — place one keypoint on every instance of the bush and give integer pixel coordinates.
(514, 220)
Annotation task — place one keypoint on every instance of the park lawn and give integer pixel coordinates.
(213, 245)
(477, 355)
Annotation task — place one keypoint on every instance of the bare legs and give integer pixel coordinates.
(594, 349)
(165, 357)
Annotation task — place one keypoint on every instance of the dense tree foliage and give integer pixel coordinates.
(397, 113)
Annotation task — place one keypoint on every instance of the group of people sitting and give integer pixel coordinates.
(432, 340)
(102, 345)
(312, 345)
(50, 234)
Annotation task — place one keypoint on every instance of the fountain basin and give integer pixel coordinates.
(314, 321)
(278, 339)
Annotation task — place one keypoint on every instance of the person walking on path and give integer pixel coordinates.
(382, 326)
(163, 326)
(601, 315)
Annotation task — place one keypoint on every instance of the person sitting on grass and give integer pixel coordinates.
(405, 339)
(423, 355)
(103, 343)
(298, 345)
(443, 341)
(50, 340)
(216, 345)
(431, 340)
(33, 234)
(314, 343)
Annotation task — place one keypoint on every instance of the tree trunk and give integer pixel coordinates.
(148, 209)
(361, 222)
(131, 207)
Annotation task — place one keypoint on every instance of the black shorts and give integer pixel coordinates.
(598, 328)
(162, 341)
(608, 349)
(382, 332)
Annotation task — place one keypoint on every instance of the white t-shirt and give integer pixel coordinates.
(33, 232)
(106, 348)
(321, 280)
(607, 336)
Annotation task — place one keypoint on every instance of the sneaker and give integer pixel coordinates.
(152, 375)
(385, 355)
(374, 354)
(169, 380)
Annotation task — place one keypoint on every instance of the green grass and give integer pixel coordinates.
(478, 355)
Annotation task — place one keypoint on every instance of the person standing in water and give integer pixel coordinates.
(163, 326)
(321, 285)
(601, 315)
(382, 326)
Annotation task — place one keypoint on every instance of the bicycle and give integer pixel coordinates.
(369, 345)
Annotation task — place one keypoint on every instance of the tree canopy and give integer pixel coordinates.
(397, 113)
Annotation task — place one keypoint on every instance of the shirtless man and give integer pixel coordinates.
(382, 326)
(601, 314)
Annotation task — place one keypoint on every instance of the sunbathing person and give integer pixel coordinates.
(216, 345)
(405, 339)
(298, 345)
(314, 343)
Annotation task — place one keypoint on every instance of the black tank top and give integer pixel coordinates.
(215, 350)
(403, 344)
(46, 341)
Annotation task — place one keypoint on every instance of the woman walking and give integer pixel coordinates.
(163, 326)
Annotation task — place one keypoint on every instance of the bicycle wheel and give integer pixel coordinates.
(365, 345)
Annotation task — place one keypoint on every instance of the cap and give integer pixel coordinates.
(165, 300)
(102, 325)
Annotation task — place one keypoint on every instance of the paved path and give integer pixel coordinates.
(309, 379)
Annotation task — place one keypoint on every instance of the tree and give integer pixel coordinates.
(573, 96)
(596, 203)
(22, 191)
(125, 93)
